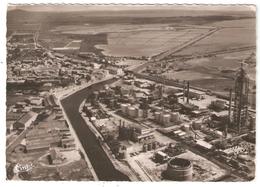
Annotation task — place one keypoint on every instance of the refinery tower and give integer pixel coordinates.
(240, 112)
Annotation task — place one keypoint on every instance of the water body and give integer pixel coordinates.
(97, 156)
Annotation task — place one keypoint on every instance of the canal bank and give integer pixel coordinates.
(120, 165)
(101, 164)
(79, 145)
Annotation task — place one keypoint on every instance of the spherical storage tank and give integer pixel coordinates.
(179, 169)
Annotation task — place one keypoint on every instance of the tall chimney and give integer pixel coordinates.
(188, 92)
(184, 91)
(229, 111)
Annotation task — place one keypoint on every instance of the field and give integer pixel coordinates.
(147, 43)
(216, 73)
(136, 40)
(73, 44)
(137, 33)
(233, 34)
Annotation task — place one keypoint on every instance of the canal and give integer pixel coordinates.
(97, 156)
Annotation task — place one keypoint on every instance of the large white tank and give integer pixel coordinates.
(157, 116)
(166, 119)
(158, 109)
(186, 127)
(140, 113)
(124, 108)
(128, 105)
(179, 169)
(132, 111)
(175, 116)
(161, 117)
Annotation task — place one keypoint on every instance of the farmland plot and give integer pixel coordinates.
(147, 43)
(234, 34)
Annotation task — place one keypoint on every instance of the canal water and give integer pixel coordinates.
(97, 156)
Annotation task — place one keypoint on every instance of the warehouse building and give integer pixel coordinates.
(25, 121)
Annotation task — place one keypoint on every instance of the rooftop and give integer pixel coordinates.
(25, 118)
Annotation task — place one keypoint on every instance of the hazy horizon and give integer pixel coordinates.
(78, 8)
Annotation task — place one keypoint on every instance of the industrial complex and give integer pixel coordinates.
(83, 105)
(152, 126)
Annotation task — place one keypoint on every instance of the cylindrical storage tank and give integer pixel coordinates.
(131, 111)
(136, 110)
(145, 147)
(95, 94)
(175, 116)
(179, 169)
(112, 103)
(140, 113)
(196, 126)
(252, 123)
(124, 108)
(122, 154)
(161, 117)
(158, 109)
(155, 145)
(131, 100)
(106, 87)
(20, 149)
(186, 127)
(102, 93)
(166, 119)
(157, 116)
(150, 147)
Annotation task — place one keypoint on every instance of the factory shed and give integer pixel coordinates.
(189, 107)
(178, 94)
(115, 70)
(25, 121)
(197, 113)
(161, 156)
(203, 144)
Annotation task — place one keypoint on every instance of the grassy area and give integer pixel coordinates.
(236, 33)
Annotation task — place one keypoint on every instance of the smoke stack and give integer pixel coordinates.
(183, 91)
(188, 92)
(229, 111)
(229, 105)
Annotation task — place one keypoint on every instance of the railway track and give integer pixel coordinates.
(144, 170)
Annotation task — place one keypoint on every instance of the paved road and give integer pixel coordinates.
(163, 55)
(101, 163)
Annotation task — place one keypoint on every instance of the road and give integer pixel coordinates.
(161, 56)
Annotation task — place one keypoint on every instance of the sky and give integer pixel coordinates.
(66, 8)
